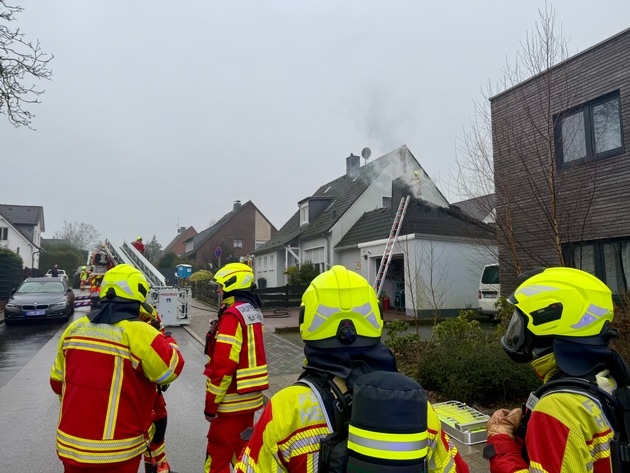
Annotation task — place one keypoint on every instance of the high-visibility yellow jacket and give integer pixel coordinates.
(237, 365)
(106, 376)
(566, 433)
(288, 434)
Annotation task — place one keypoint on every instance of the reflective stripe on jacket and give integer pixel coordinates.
(106, 376)
(237, 365)
(288, 434)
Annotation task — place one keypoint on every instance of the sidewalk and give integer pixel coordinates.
(285, 359)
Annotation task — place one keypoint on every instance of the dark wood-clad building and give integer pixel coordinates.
(562, 167)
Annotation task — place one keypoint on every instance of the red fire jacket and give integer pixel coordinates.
(237, 365)
(106, 376)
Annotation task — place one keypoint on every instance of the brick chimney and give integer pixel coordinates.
(352, 166)
(237, 205)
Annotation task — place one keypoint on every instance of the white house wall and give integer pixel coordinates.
(352, 259)
(272, 273)
(460, 261)
(456, 266)
(17, 243)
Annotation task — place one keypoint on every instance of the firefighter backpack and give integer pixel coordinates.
(380, 426)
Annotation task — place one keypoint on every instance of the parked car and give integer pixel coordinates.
(61, 273)
(489, 290)
(40, 298)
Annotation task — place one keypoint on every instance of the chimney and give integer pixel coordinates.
(237, 205)
(352, 166)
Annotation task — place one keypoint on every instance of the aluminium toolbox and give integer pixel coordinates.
(461, 422)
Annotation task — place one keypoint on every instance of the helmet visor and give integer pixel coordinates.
(513, 341)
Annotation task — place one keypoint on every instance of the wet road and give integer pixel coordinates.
(20, 342)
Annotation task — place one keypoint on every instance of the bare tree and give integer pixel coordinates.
(523, 135)
(21, 63)
(80, 235)
(426, 277)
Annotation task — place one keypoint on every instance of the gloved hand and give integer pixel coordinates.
(504, 422)
(210, 417)
(169, 338)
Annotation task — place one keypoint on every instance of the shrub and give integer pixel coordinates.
(201, 275)
(461, 362)
(621, 322)
(302, 275)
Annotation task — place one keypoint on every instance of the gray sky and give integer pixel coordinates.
(162, 113)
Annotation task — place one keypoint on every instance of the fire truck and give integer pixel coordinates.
(172, 303)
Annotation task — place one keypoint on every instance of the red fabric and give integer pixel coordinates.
(224, 440)
(86, 376)
(159, 407)
(548, 451)
(129, 466)
(508, 458)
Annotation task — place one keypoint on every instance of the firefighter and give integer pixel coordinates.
(561, 325)
(341, 326)
(83, 276)
(108, 364)
(236, 368)
(138, 245)
(155, 457)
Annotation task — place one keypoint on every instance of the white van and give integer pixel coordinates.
(489, 289)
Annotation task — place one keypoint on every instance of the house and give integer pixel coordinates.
(177, 245)
(562, 169)
(436, 261)
(21, 227)
(347, 221)
(233, 237)
(323, 218)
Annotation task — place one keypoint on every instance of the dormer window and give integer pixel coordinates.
(304, 213)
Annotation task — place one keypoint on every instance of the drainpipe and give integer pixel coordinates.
(327, 264)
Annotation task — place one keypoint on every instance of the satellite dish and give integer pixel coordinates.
(365, 153)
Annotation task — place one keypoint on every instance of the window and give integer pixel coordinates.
(304, 213)
(608, 260)
(238, 243)
(4, 233)
(189, 246)
(272, 263)
(315, 256)
(386, 202)
(590, 131)
(264, 265)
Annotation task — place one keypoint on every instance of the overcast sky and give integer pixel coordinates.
(161, 114)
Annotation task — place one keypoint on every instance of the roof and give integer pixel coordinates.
(24, 218)
(182, 235)
(29, 215)
(477, 207)
(200, 238)
(421, 217)
(343, 191)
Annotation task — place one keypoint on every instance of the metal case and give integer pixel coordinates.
(461, 422)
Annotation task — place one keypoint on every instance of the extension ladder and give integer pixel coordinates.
(389, 247)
